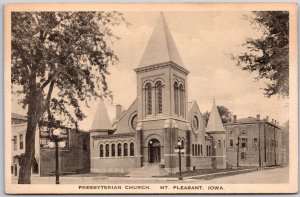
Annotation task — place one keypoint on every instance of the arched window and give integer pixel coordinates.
(158, 94)
(193, 149)
(125, 150)
(148, 91)
(107, 150)
(219, 144)
(113, 150)
(101, 152)
(181, 100)
(207, 151)
(201, 150)
(119, 150)
(176, 97)
(131, 149)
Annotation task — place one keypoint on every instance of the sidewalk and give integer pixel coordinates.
(96, 178)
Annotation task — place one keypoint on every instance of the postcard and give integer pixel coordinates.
(151, 98)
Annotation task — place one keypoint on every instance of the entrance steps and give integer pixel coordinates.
(148, 171)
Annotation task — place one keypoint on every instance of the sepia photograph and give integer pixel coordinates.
(148, 98)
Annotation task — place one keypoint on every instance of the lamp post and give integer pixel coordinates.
(179, 148)
(54, 137)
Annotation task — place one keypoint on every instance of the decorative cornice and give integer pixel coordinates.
(113, 136)
(161, 66)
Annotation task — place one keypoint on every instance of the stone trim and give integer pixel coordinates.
(168, 64)
(121, 135)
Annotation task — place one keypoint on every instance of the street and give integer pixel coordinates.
(274, 175)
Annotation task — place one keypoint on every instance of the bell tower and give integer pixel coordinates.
(162, 100)
(161, 77)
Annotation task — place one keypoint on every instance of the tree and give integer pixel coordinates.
(224, 113)
(269, 55)
(59, 59)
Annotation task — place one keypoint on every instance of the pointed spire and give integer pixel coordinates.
(101, 120)
(214, 123)
(161, 46)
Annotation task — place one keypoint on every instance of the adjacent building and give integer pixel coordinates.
(255, 142)
(76, 148)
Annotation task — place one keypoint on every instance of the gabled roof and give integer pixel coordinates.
(161, 46)
(214, 123)
(101, 120)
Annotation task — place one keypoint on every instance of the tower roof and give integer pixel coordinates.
(161, 46)
(101, 120)
(214, 123)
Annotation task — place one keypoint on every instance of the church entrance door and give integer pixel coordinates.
(154, 151)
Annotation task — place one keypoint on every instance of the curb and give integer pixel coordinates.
(221, 173)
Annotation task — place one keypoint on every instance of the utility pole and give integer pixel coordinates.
(274, 144)
(259, 155)
(238, 151)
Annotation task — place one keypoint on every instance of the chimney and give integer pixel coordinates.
(118, 112)
(272, 120)
(234, 118)
(267, 118)
(258, 117)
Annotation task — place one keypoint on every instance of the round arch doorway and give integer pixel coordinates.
(154, 151)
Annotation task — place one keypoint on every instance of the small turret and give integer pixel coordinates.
(216, 130)
(101, 122)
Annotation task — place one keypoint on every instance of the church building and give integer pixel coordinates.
(143, 138)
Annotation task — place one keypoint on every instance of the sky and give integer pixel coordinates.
(205, 41)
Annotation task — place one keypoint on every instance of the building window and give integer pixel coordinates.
(181, 95)
(107, 150)
(243, 155)
(182, 143)
(201, 150)
(101, 151)
(15, 142)
(125, 149)
(244, 142)
(119, 150)
(195, 124)
(206, 150)
(176, 97)
(134, 122)
(158, 88)
(271, 142)
(84, 144)
(113, 150)
(193, 149)
(231, 142)
(148, 99)
(131, 149)
(219, 144)
(21, 141)
(255, 141)
(243, 131)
